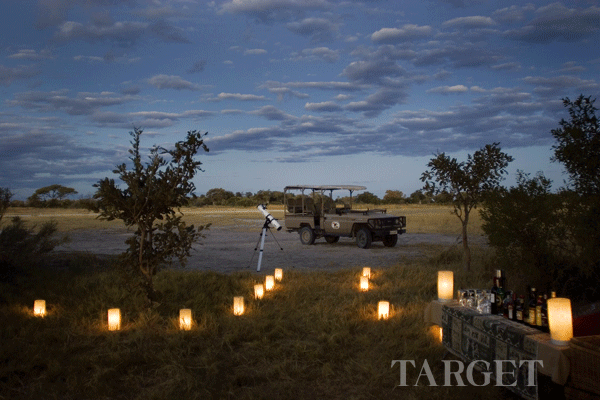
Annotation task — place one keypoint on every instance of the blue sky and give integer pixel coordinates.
(289, 91)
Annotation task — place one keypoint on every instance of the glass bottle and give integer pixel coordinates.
(500, 297)
(545, 326)
(531, 307)
(538, 311)
(520, 309)
(493, 294)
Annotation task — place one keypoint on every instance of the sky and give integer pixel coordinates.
(290, 92)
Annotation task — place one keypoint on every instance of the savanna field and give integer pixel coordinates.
(315, 336)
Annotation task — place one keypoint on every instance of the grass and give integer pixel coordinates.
(420, 218)
(316, 336)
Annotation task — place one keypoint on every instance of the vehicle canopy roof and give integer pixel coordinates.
(325, 187)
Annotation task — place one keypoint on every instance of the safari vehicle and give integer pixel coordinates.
(315, 215)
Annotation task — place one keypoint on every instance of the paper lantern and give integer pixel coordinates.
(269, 282)
(560, 320)
(185, 319)
(278, 274)
(445, 285)
(238, 305)
(366, 272)
(39, 308)
(383, 309)
(259, 291)
(364, 283)
(114, 319)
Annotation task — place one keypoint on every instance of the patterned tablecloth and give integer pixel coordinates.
(473, 336)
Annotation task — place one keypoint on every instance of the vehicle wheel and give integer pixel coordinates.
(364, 238)
(390, 240)
(307, 235)
(332, 239)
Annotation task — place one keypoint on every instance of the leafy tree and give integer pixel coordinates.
(5, 196)
(367, 198)
(524, 223)
(149, 201)
(467, 183)
(393, 197)
(218, 196)
(578, 145)
(50, 195)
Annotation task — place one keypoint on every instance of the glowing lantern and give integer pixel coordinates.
(278, 274)
(445, 285)
(364, 283)
(185, 319)
(259, 291)
(39, 308)
(269, 282)
(114, 319)
(366, 272)
(383, 309)
(238, 305)
(560, 320)
(440, 334)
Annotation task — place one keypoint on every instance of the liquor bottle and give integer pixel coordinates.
(520, 309)
(510, 307)
(538, 312)
(545, 326)
(493, 293)
(531, 307)
(500, 295)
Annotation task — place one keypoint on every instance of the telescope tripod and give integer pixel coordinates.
(261, 240)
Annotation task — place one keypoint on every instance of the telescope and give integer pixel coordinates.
(270, 219)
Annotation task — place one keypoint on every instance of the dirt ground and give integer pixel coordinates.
(229, 249)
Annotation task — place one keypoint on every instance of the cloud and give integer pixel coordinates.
(271, 10)
(318, 29)
(124, 33)
(395, 35)
(449, 89)
(555, 22)
(32, 55)
(197, 67)
(146, 119)
(254, 52)
(473, 22)
(272, 113)
(461, 55)
(84, 103)
(375, 71)
(318, 53)
(378, 102)
(172, 82)
(10, 74)
(238, 96)
(328, 106)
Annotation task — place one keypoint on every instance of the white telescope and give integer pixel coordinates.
(270, 219)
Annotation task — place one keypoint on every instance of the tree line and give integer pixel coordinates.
(57, 196)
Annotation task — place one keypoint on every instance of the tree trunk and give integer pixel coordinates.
(465, 242)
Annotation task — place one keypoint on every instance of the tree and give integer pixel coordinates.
(149, 201)
(467, 183)
(578, 147)
(50, 195)
(367, 198)
(5, 196)
(393, 197)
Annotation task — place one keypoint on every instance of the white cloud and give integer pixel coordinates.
(470, 22)
(238, 96)
(449, 89)
(254, 52)
(407, 32)
(172, 82)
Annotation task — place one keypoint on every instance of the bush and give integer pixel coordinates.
(21, 247)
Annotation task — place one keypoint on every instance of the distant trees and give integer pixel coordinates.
(150, 202)
(50, 196)
(466, 183)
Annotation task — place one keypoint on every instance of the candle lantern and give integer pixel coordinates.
(445, 285)
(269, 282)
(560, 320)
(366, 272)
(238, 305)
(114, 319)
(364, 283)
(259, 291)
(39, 308)
(185, 319)
(383, 309)
(278, 274)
